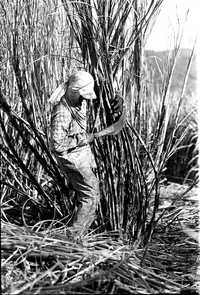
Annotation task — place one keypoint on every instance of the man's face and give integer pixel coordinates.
(75, 100)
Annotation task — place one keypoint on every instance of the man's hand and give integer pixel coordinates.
(84, 141)
(90, 137)
(117, 106)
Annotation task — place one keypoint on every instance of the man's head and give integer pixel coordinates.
(80, 86)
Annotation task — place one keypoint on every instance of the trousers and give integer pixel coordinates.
(77, 167)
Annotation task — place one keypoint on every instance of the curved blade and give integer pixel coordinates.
(114, 128)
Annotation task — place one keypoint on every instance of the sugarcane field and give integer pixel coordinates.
(99, 147)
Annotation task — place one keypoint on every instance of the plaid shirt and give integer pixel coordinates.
(68, 127)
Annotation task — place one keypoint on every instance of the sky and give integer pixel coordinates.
(166, 25)
(161, 36)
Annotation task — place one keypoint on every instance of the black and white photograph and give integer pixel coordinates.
(99, 147)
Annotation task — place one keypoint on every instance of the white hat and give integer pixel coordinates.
(81, 83)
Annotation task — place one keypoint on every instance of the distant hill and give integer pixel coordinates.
(158, 59)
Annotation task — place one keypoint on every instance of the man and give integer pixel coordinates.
(70, 144)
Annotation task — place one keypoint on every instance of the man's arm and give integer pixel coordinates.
(60, 120)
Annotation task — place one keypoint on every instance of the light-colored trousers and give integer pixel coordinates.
(77, 167)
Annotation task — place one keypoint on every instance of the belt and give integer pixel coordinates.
(70, 150)
(75, 148)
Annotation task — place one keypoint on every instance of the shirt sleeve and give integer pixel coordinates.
(60, 122)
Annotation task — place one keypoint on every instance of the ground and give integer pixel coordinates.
(105, 264)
